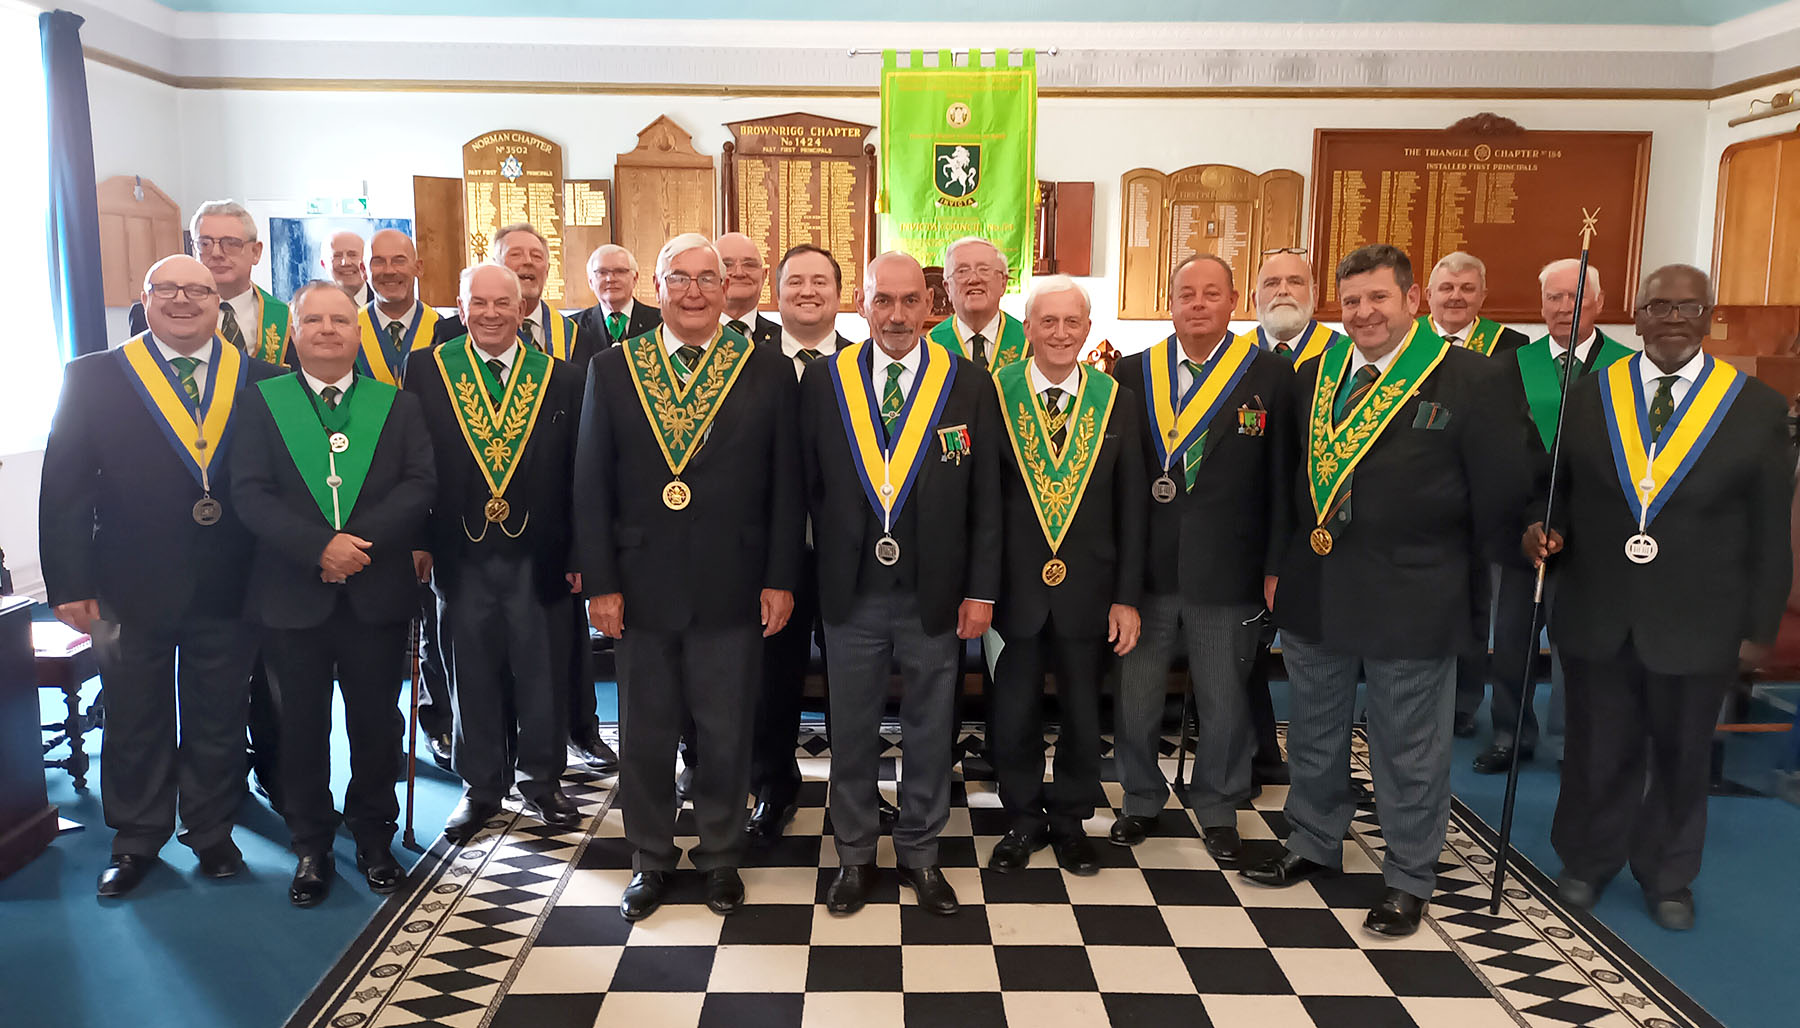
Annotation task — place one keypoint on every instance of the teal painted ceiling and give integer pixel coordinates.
(1514, 12)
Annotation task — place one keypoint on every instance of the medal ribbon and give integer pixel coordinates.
(495, 435)
(853, 378)
(1184, 421)
(1011, 347)
(1662, 462)
(377, 358)
(163, 396)
(306, 424)
(680, 413)
(1332, 452)
(1055, 482)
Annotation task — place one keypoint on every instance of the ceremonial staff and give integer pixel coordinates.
(1588, 231)
(412, 733)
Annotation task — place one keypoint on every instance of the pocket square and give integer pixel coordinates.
(1433, 417)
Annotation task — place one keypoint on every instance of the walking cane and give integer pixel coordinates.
(412, 735)
(1588, 232)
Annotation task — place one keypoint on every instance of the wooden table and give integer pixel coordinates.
(65, 660)
(27, 820)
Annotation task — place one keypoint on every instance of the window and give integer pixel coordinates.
(29, 352)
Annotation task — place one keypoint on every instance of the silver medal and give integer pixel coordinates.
(1163, 490)
(339, 442)
(887, 551)
(1640, 549)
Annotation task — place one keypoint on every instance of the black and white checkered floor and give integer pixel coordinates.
(520, 929)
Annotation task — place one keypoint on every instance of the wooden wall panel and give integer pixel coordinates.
(438, 232)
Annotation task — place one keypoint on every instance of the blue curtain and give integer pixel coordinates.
(76, 286)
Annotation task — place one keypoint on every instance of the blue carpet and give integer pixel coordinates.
(189, 952)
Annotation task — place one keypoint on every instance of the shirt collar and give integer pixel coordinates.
(910, 362)
(382, 321)
(244, 301)
(749, 320)
(1689, 372)
(1070, 385)
(1582, 349)
(991, 331)
(169, 354)
(791, 346)
(506, 358)
(672, 342)
(630, 302)
(1462, 335)
(318, 385)
(1357, 360)
(536, 314)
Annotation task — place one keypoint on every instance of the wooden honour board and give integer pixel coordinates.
(1512, 198)
(511, 176)
(802, 178)
(663, 188)
(587, 224)
(1207, 208)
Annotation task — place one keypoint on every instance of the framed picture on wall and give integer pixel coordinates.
(296, 243)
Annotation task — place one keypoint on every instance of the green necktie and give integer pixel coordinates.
(615, 327)
(892, 399)
(499, 372)
(184, 370)
(1058, 418)
(1662, 405)
(228, 326)
(1360, 383)
(739, 327)
(1190, 461)
(689, 356)
(808, 355)
(978, 349)
(330, 395)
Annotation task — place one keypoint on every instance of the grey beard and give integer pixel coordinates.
(1284, 322)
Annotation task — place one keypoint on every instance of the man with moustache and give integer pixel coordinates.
(975, 273)
(1409, 470)
(903, 484)
(612, 274)
(1672, 526)
(808, 283)
(523, 249)
(332, 470)
(250, 318)
(144, 550)
(744, 276)
(502, 418)
(690, 530)
(1535, 381)
(1215, 411)
(1073, 559)
(341, 258)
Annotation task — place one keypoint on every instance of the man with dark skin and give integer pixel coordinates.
(1670, 529)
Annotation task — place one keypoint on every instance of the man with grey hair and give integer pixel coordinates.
(521, 248)
(975, 272)
(1072, 517)
(1454, 294)
(502, 420)
(689, 528)
(341, 258)
(612, 273)
(1286, 297)
(250, 318)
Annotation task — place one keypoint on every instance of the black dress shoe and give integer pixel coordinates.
(1129, 829)
(934, 892)
(467, 819)
(1577, 892)
(1675, 913)
(220, 860)
(123, 874)
(766, 822)
(441, 748)
(886, 814)
(850, 889)
(684, 785)
(1497, 759)
(724, 890)
(1397, 914)
(644, 894)
(379, 868)
(554, 807)
(1284, 870)
(1014, 851)
(312, 879)
(1075, 854)
(1463, 727)
(1269, 774)
(1223, 842)
(596, 754)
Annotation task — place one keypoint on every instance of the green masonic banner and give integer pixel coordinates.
(959, 154)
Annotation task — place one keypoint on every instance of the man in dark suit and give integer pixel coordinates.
(1073, 570)
(1534, 381)
(1215, 411)
(808, 283)
(613, 274)
(1671, 575)
(144, 551)
(690, 528)
(333, 472)
(745, 273)
(502, 418)
(1377, 579)
(903, 484)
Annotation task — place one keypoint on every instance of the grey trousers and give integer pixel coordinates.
(174, 740)
(707, 677)
(1221, 646)
(1411, 704)
(881, 630)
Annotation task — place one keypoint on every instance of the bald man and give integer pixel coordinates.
(143, 550)
(745, 273)
(341, 258)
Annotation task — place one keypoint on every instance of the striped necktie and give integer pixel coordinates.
(499, 371)
(689, 356)
(528, 332)
(1360, 383)
(184, 371)
(739, 327)
(1190, 461)
(892, 399)
(1058, 418)
(330, 395)
(228, 326)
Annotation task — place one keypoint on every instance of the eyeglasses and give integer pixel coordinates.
(1660, 308)
(678, 281)
(1301, 250)
(611, 272)
(965, 273)
(228, 244)
(193, 290)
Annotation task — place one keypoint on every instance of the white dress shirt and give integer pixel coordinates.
(1357, 361)
(672, 342)
(1184, 379)
(536, 320)
(630, 303)
(381, 321)
(909, 365)
(990, 333)
(318, 385)
(200, 355)
(1582, 349)
(1688, 373)
(792, 347)
(1070, 385)
(1461, 335)
(506, 359)
(243, 307)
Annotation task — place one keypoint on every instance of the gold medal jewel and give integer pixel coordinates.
(677, 495)
(1055, 571)
(887, 551)
(1321, 541)
(339, 442)
(1640, 549)
(207, 511)
(1163, 490)
(497, 510)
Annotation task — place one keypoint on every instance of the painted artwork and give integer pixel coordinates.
(295, 245)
